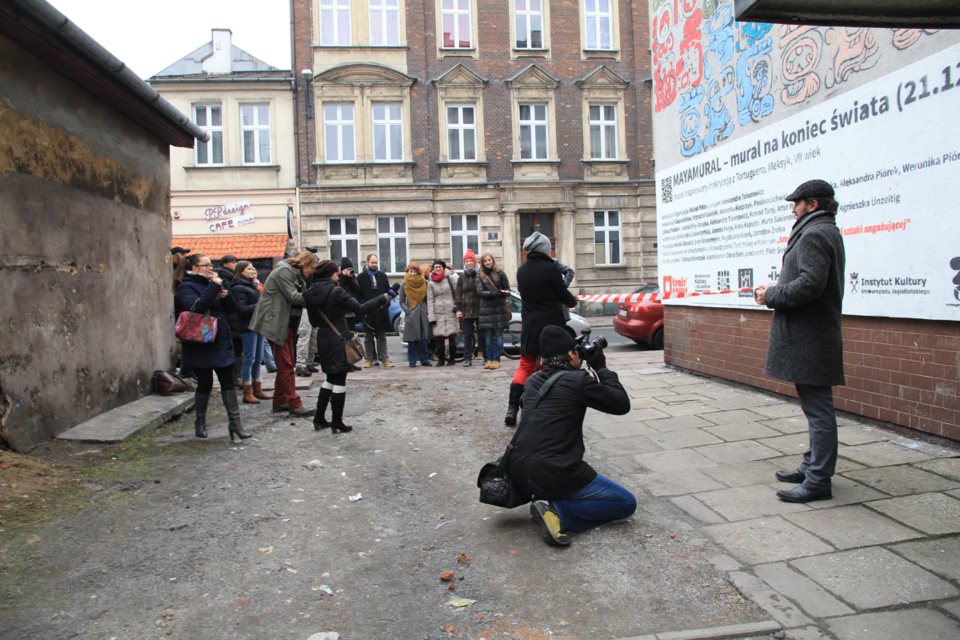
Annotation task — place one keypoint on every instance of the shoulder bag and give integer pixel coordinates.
(168, 384)
(200, 328)
(494, 481)
(352, 346)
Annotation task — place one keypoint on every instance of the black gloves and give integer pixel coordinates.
(597, 361)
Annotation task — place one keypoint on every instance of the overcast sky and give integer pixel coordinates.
(150, 35)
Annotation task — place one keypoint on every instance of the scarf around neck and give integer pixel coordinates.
(415, 288)
(437, 277)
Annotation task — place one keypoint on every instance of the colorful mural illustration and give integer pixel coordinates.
(716, 75)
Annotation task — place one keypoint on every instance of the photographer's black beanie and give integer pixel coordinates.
(555, 341)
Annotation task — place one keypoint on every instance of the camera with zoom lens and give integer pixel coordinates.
(587, 347)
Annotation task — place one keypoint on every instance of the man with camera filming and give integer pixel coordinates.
(547, 455)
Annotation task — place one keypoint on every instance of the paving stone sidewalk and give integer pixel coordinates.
(881, 560)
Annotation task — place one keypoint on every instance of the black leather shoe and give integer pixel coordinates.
(796, 477)
(803, 494)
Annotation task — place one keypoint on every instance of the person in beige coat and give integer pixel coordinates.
(442, 312)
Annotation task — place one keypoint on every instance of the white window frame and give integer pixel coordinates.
(606, 229)
(602, 125)
(212, 129)
(385, 14)
(533, 124)
(344, 238)
(392, 129)
(465, 234)
(259, 131)
(593, 18)
(393, 236)
(456, 12)
(461, 129)
(333, 10)
(527, 15)
(331, 153)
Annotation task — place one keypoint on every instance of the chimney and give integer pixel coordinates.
(221, 60)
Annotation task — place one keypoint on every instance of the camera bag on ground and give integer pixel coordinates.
(494, 482)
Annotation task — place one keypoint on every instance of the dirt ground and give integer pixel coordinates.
(169, 536)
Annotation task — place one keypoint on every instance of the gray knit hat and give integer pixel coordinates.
(537, 242)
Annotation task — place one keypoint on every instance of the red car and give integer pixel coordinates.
(642, 321)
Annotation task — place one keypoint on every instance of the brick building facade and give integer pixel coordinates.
(428, 126)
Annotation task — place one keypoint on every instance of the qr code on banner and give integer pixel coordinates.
(666, 188)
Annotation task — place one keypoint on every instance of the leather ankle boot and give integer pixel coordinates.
(513, 404)
(233, 414)
(258, 391)
(248, 396)
(320, 416)
(200, 402)
(337, 402)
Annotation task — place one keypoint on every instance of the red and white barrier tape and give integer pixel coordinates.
(653, 297)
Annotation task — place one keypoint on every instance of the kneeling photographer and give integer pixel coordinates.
(547, 456)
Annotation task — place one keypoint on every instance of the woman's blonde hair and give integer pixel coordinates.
(304, 259)
(494, 268)
(412, 265)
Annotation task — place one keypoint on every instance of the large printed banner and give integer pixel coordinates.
(889, 145)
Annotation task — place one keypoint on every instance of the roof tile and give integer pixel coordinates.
(244, 246)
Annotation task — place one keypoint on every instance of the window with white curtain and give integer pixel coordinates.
(384, 22)
(528, 24)
(255, 133)
(603, 131)
(392, 243)
(209, 117)
(461, 132)
(387, 131)
(533, 132)
(335, 23)
(455, 24)
(606, 238)
(338, 132)
(598, 27)
(464, 234)
(344, 235)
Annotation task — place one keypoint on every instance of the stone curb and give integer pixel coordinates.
(128, 420)
(715, 633)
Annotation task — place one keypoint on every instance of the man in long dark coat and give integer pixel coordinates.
(373, 283)
(806, 345)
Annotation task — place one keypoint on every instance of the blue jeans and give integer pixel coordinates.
(492, 345)
(417, 349)
(603, 500)
(268, 356)
(252, 355)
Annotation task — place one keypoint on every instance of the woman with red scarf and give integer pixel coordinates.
(442, 312)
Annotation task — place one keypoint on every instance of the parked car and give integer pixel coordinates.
(511, 337)
(641, 321)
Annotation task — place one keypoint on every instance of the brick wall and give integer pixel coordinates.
(301, 21)
(905, 372)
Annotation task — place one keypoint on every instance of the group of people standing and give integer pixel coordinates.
(438, 304)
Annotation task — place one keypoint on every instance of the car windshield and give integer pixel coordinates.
(647, 288)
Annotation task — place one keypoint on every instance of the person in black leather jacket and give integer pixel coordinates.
(547, 459)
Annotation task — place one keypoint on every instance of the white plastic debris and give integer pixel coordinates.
(355, 498)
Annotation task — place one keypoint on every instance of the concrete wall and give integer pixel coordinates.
(86, 305)
(898, 370)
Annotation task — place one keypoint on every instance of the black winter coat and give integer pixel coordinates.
(547, 458)
(245, 296)
(493, 309)
(806, 345)
(331, 299)
(228, 279)
(467, 297)
(370, 288)
(198, 294)
(540, 283)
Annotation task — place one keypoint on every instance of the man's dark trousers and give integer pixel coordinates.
(820, 460)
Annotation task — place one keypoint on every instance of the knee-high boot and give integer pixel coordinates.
(233, 414)
(200, 402)
(513, 404)
(320, 416)
(337, 402)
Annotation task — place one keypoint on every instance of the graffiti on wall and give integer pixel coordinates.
(718, 75)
